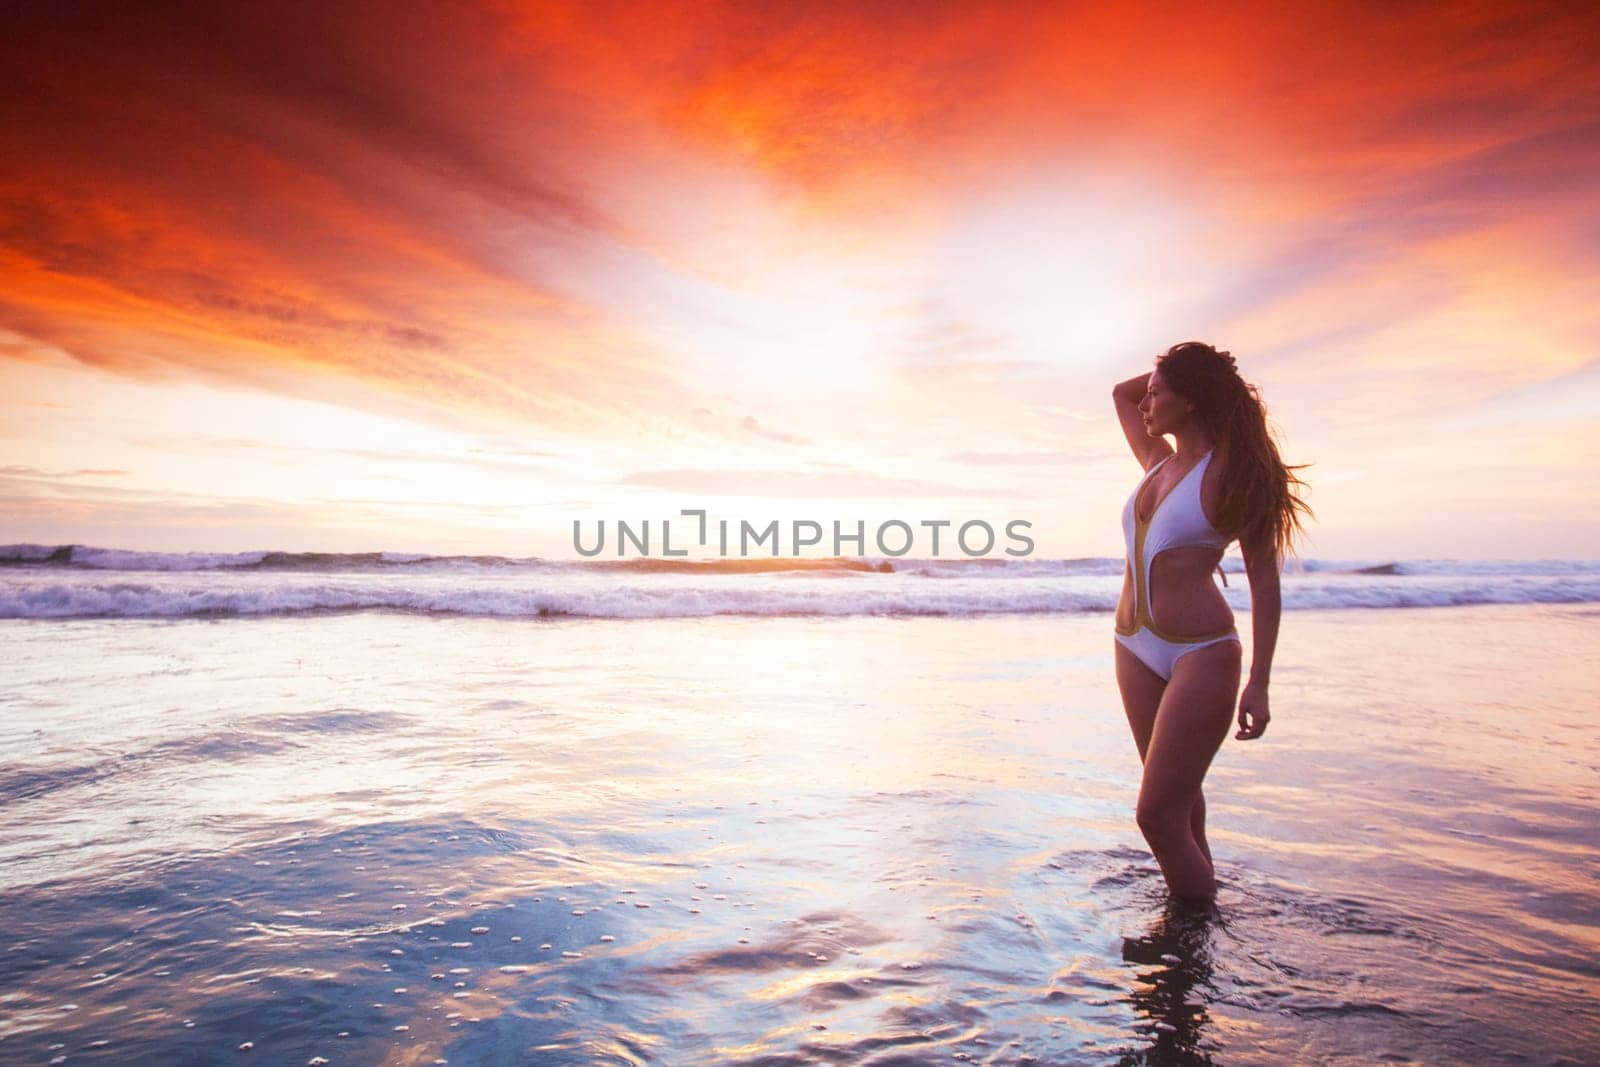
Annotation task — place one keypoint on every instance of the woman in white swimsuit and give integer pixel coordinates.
(1178, 655)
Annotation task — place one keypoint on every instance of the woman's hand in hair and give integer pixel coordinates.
(1134, 387)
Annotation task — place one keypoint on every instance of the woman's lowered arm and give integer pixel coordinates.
(1266, 611)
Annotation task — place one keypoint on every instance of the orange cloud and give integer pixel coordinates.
(500, 207)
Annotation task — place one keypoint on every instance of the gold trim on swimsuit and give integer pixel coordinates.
(1142, 612)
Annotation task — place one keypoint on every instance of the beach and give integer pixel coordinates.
(592, 533)
(403, 837)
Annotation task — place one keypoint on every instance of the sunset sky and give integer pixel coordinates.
(441, 277)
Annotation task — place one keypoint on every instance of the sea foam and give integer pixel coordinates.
(65, 582)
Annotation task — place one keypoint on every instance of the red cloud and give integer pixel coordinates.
(429, 200)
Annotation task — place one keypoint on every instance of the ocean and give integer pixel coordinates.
(75, 581)
(370, 808)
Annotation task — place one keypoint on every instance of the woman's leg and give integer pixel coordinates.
(1197, 824)
(1193, 718)
(1141, 694)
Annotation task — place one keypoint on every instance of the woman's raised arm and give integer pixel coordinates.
(1126, 396)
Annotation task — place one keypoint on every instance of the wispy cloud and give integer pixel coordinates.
(36, 472)
(1031, 459)
(790, 484)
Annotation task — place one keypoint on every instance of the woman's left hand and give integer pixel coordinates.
(1253, 713)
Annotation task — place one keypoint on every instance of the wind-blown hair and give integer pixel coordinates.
(1260, 504)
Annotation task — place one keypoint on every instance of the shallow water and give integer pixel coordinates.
(400, 839)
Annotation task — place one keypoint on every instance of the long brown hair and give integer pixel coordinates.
(1259, 499)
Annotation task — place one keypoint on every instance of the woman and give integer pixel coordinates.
(1178, 655)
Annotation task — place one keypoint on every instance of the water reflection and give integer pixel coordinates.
(1173, 984)
(385, 839)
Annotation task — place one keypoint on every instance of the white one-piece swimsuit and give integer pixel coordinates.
(1178, 522)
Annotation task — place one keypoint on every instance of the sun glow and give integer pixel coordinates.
(581, 258)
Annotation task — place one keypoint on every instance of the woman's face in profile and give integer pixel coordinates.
(1164, 411)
